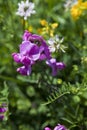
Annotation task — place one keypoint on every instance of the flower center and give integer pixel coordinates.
(26, 8)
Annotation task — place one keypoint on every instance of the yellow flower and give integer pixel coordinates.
(84, 5)
(51, 33)
(47, 28)
(76, 12)
(54, 25)
(78, 9)
(43, 22)
(79, 1)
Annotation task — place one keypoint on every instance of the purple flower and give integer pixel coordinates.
(28, 51)
(60, 127)
(32, 49)
(26, 35)
(47, 128)
(39, 41)
(3, 109)
(55, 66)
(17, 57)
(24, 70)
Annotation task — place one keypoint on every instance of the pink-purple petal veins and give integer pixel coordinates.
(30, 49)
(34, 53)
(55, 65)
(24, 70)
(47, 128)
(25, 47)
(60, 127)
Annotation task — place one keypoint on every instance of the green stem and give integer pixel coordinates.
(23, 25)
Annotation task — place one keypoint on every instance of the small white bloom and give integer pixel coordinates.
(55, 44)
(51, 42)
(25, 9)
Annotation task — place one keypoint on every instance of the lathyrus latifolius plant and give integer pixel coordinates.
(36, 50)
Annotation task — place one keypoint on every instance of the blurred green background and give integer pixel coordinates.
(28, 93)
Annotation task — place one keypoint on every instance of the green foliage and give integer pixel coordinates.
(29, 107)
(73, 90)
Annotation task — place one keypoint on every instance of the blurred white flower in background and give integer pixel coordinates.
(55, 44)
(25, 9)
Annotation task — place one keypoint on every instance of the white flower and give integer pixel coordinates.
(25, 9)
(52, 47)
(55, 44)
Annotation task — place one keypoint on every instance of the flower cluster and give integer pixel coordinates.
(25, 9)
(78, 9)
(58, 127)
(3, 110)
(55, 44)
(32, 49)
(47, 28)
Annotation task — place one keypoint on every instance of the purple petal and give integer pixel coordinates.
(26, 35)
(52, 64)
(42, 57)
(35, 38)
(3, 109)
(47, 52)
(30, 49)
(16, 57)
(55, 66)
(47, 128)
(25, 60)
(31, 37)
(34, 53)
(25, 47)
(44, 50)
(60, 127)
(24, 70)
(60, 65)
